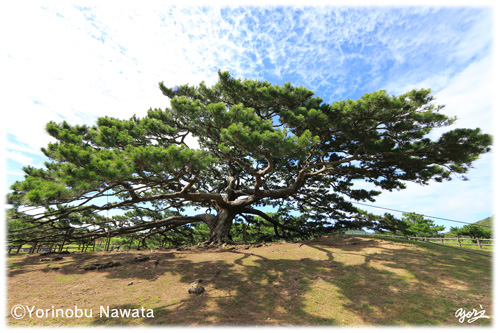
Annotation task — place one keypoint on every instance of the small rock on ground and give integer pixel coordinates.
(195, 288)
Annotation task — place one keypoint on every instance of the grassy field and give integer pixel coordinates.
(466, 244)
(334, 280)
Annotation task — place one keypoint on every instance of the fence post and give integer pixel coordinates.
(442, 242)
(479, 243)
(459, 244)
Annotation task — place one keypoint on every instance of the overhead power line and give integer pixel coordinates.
(402, 211)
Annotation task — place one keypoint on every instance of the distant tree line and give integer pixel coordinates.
(415, 225)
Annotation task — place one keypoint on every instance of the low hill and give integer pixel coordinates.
(333, 280)
(487, 222)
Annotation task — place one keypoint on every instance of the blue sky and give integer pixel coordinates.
(77, 61)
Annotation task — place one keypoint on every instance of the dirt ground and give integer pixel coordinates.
(334, 280)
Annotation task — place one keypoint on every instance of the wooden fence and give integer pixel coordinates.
(445, 241)
(45, 249)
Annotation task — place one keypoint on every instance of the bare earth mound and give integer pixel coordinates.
(334, 280)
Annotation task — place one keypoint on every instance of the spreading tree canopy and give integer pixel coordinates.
(259, 147)
(473, 231)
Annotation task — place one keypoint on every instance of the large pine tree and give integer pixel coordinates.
(258, 145)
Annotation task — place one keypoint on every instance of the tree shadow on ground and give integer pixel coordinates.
(348, 281)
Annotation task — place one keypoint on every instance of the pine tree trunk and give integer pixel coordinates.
(244, 231)
(219, 229)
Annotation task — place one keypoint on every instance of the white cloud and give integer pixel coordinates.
(22, 148)
(20, 158)
(469, 96)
